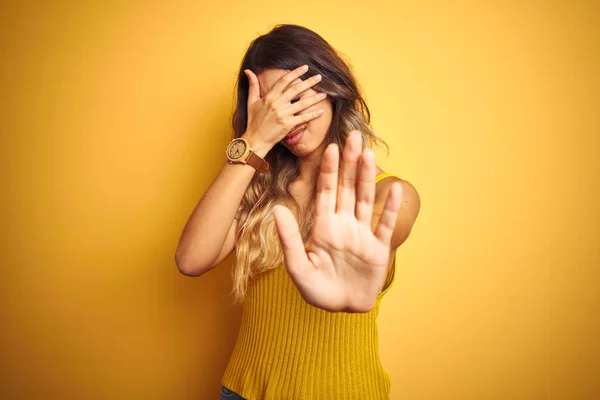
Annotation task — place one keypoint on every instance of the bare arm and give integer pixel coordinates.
(209, 234)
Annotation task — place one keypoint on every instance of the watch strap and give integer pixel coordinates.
(257, 162)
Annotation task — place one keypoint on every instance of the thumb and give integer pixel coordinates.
(294, 252)
(253, 88)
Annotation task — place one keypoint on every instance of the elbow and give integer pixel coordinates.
(188, 268)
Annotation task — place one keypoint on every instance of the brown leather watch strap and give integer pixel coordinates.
(257, 162)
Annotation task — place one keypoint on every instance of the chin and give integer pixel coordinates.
(302, 147)
(297, 150)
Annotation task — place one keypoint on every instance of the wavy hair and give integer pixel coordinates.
(287, 47)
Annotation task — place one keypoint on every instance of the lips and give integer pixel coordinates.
(296, 131)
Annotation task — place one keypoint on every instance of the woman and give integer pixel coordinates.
(315, 243)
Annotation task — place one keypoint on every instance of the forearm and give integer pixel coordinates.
(205, 231)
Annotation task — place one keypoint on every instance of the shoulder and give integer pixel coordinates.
(409, 208)
(382, 188)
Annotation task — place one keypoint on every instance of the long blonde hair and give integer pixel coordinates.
(258, 248)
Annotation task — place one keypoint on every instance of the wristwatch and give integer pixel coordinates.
(240, 152)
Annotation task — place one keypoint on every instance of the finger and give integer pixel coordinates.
(293, 91)
(327, 181)
(254, 86)
(365, 191)
(306, 102)
(387, 221)
(302, 118)
(346, 191)
(286, 79)
(294, 82)
(294, 253)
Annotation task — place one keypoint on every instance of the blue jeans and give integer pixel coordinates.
(227, 394)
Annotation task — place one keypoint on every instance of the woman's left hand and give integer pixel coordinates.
(345, 265)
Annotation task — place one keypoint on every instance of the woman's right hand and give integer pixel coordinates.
(271, 118)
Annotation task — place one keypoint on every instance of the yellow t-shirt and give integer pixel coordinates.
(288, 349)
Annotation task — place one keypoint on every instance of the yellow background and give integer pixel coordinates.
(114, 121)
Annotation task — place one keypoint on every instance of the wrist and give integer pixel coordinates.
(259, 147)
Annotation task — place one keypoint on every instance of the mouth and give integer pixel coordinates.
(294, 138)
(295, 131)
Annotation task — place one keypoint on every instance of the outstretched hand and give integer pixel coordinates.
(345, 265)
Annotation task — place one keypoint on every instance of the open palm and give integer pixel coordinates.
(345, 265)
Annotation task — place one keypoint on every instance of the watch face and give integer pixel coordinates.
(237, 149)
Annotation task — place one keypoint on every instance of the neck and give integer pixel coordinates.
(310, 166)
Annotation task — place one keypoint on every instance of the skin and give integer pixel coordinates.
(311, 146)
(358, 223)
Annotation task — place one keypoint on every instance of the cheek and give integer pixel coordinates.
(322, 122)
